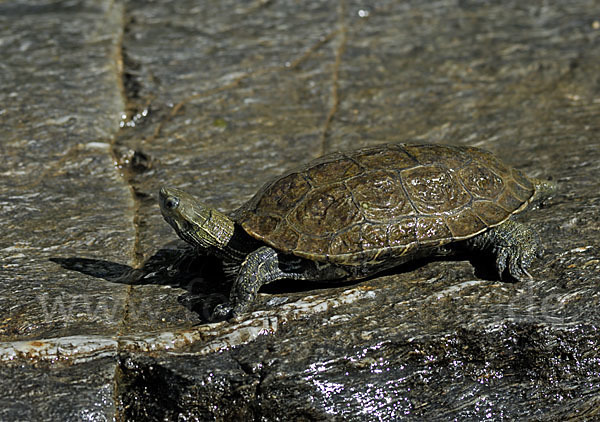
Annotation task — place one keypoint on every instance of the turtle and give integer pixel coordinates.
(350, 215)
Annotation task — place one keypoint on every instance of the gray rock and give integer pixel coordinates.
(103, 102)
(54, 392)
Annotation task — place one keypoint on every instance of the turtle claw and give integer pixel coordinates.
(517, 267)
(514, 246)
(515, 261)
(501, 263)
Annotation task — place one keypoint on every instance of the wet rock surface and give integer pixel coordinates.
(102, 102)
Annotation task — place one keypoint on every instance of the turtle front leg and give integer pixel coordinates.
(260, 267)
(514, 246)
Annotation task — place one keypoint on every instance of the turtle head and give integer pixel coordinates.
(198, 225)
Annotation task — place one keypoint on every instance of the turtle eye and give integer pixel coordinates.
(171, 203)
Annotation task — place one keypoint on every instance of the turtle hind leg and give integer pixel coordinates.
(514, 245)
(260, 267)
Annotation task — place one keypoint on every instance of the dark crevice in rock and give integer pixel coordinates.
(335, 100)
(149, 390)
(131, 80)
(146, 391)
(128, 163)
(134, 81)
(127, 170)
(254, 371)
(131, 162)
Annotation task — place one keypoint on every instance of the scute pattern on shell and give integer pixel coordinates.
(364, 206)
